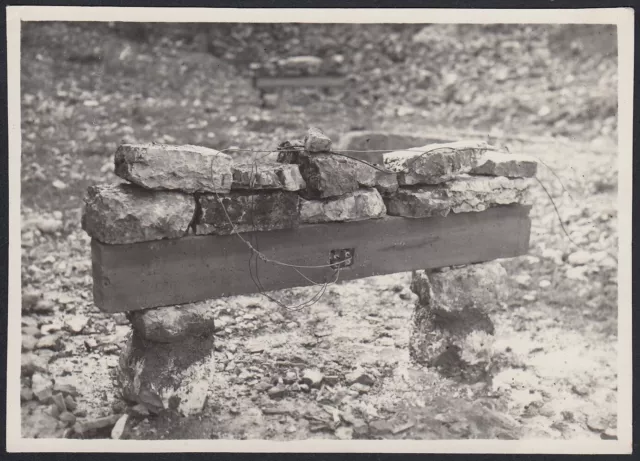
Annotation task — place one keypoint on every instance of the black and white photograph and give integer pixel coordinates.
(278, 231)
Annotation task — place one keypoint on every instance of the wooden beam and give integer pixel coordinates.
(195, 268)
(278, 82)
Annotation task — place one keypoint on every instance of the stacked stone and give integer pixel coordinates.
(338, 188)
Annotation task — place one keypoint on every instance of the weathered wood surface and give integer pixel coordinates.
(294, 82)
(168, 272)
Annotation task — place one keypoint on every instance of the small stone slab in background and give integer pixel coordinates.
(503, 164)
(267, 176)
(173, 323)
(167, 167)
(468, 193)
(260, 211)
(124, 213)
(435, 163)
(356, 206)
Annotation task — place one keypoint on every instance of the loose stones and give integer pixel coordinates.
(124, 213)
(186, 168)
(246, 212)
(356, 206)
(267, 176)
(316, 141)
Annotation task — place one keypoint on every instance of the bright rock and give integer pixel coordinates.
(356, 206)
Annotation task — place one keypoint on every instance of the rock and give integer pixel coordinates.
(54, 410)
(261, 211)
(465, 194)
(316, 141)
(435, 163)
(555, 255)
(166, 167)
(41, 425)
(360, 427)
(360, 376)
(42, 387)
(70, 403)
(360, 388)
(304, 388)
(173, 323)
(49, 226)
(277, 392)
(44, 306)
(451, 328)
(26, 394)
(118, 428)
(52, 342)
(58, 400)
(331, 380)
(28, 342)
(139, 410)
(312, 377)
(523, 280)
(290, 377)
(530, 297)
(77, 323)
(161, 375)
(122, 213)
(577, 273)
(86, 427)
(67, 418)
(504, 164)
(356, 206)
(267, 176)
(333, 175)
(544, 284)
(596, 423)
(31, 363)
(609, 434)
(579, 258)
(29, 299)
(380, 428)
(344, 433)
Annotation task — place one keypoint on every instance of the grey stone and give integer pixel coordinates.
(166, 167)
(465, 194)
(312, 377)
(356, 206)
(277, 392)
(259, 211)
(28, 342)
(119, 427)
(167, 375)
(31, 363)
(93, 425)
(435, 163)
(26, 394)
(173, 323)
(267, 176)
(316, 141)
(123, 213)
(332, 175)
(360, 376)
(503, 164)
(67, 418)
(451, 326)
(300, 65)
(380, 428)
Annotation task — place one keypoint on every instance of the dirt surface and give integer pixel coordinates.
(556, 337)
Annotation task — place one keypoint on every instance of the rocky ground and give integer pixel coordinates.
(339, 369)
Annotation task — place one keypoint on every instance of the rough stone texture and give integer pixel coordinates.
(435, 163)
(174, 323)
(316, 141)
(452, 330)
(331, 175)
(124, 213)
(260, 211)
(356, 206)
(300, 65)
(167, 375)
(267, 176)
(186, 168)
(465, 194)
(503, 164)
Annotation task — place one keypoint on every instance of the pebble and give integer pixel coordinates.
(290, 377)
(48, 342)
(54, 410)
(555, 255)
(49, 226)
(26, 394)
(380, 427)
(609, 434)
(312, 377)
(304, 388)
(360, 388)
(58, 400)
(596, 423)
(67, 418)
(95, 424)
(331, 380)
(291, 429)
(28, 343)
(360, 376)
(292, 325)
(118, 428)
(579, 258)
(31, 363)
(523, 280)
(43, 306)
(77, 324)
(544, 284)
(59, 184)
(580, 390)
(231, 365)
(277, 392)
(344, 433)
(530, 297)
(31, 331)
(577, 273)
(29, 299)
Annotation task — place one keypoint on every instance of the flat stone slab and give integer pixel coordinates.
(435, 163)
(355, 206)
(267, 176)
(259, 211)
(173, 323)
(465, 194)
(504, 164)
(330, 175)
(124, 213)
(168, 167)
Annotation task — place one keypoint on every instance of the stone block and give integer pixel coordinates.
(465, 194)
(317, 141)
(435, 163)
(259, 211)
(124, 213)
(356, 206)
(452, 329)
(504, 164)
(267, 176)
(173, 323)
(167, 167)
(167, 375)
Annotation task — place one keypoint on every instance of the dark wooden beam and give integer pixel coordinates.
(195, 268)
